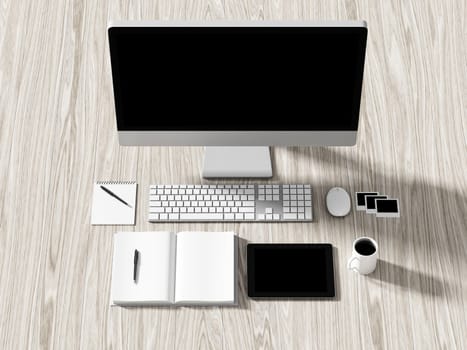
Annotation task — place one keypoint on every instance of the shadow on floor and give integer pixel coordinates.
(409, 279)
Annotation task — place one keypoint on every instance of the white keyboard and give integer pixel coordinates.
(230, 203)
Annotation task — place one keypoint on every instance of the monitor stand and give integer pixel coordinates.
(237, 162)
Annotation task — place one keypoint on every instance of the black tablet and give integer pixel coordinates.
(290, 270)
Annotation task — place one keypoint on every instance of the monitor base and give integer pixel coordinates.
(237, 162)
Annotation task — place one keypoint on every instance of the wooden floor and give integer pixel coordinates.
(58, 135)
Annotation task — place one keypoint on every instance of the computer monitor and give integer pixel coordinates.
(240, 86)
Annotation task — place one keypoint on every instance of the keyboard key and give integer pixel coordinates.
(289, 216)
(268, 211)
(153, 217)
(246, 210)
(173, 216)
(249, 216)
(260, 216)
(202, 216)
(239, 216)
(229, 216)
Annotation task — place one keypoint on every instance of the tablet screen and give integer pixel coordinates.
(290, 270)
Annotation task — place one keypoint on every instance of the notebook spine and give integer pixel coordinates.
(115, 182)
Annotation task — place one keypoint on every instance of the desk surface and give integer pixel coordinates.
(57, 135)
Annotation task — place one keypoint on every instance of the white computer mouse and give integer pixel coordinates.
(338, 202)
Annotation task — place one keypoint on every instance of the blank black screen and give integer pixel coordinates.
(387, 206)
(237, 78)
(290, 270)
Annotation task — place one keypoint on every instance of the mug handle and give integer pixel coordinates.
(349, 263)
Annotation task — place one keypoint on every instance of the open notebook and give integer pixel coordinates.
(185, 268)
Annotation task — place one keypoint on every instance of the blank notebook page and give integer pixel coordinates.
(205, 269)
(155, 268)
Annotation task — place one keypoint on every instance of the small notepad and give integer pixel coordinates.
(108, 210)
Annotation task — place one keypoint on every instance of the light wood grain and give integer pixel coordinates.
(57, 136)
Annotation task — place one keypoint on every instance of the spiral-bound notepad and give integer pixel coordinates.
(114, 203)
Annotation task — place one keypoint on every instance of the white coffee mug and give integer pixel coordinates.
(364, 256)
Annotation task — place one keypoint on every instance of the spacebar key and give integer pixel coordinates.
(201, 216)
